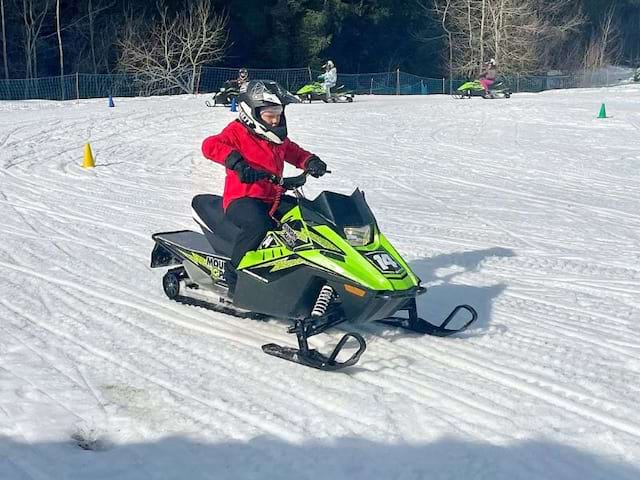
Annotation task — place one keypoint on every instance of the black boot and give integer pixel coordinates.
(232, 278)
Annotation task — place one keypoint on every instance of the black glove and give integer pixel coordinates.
(246, 173)
(316, 167)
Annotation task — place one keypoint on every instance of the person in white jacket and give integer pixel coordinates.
(329, 77)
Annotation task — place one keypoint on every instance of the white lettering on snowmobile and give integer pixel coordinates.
(267, 242)
(290, 235)
(216, 263)
(384, 262)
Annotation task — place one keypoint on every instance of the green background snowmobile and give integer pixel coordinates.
(315, 91)
(474, 88)
(326, 263)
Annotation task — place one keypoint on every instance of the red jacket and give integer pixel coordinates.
(258, 153)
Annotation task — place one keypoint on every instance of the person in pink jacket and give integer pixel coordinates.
(488, 76)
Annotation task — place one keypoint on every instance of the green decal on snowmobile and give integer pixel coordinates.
(216, 272)
(263, 257)
(285, 263)
(323, 242)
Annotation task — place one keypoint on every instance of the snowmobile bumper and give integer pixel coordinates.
(365, 306)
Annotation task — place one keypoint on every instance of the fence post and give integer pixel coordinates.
(397, 81)
(371, 87)
(443, 87)
(310, 76)
(78, 87)
(199, 76)
(517, 82)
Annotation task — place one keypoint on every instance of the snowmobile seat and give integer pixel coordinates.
(209, 214)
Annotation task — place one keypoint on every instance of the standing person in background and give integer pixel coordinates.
(329, 77)
(488, 76)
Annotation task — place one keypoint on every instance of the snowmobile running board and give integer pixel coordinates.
(419, 325)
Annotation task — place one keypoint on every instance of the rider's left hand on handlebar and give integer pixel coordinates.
(315, 166)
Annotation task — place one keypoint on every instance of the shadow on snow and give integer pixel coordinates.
(261, 458)
(444, 294)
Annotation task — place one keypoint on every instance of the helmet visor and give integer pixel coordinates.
(272, 110)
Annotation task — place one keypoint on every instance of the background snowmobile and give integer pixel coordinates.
(326, 263)
(225, 95)
(474, 88)
(315, 91)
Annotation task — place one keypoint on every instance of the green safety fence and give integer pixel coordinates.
(211, 79)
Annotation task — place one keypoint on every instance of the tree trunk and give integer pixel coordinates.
(27, 41)
(4, 42)
(59, 39)
(92, 38)
(483, 19)
(60, 49)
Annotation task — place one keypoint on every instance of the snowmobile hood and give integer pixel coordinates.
(315, 233)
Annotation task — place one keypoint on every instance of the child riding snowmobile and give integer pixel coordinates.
(230, 89)
(316, 91)
(325, 263)
(474, 88)
(486, 86)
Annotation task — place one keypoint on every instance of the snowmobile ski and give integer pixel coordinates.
(420, 325)
(312, 358)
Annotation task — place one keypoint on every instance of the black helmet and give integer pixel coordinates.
(243, 74)
(258, 94)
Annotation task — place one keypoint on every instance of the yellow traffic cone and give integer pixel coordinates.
(88, 161)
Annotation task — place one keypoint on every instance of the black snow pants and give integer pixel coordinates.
(251, 216)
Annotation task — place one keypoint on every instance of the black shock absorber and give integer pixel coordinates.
(323, 301)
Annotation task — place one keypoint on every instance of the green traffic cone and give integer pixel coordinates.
(603, 112)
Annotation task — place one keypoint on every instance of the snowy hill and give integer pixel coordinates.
(527, 209)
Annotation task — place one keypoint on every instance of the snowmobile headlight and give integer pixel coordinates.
(358, 236)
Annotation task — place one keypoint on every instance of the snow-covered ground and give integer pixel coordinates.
(527, 209)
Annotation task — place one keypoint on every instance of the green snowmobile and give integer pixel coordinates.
(316, 91)
(474, 88)
(326, 263)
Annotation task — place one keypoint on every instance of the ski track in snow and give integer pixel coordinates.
(525, 208)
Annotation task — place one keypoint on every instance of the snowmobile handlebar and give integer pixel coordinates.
(291, 183)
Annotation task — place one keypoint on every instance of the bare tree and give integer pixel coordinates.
(33, 13)
(94, 8)
(92, 41)
(169, 53)
(59, 33)
(442, 8)
(4, 41)
(605, 44)
(514, 32)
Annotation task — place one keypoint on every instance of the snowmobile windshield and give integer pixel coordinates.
(338, 210)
